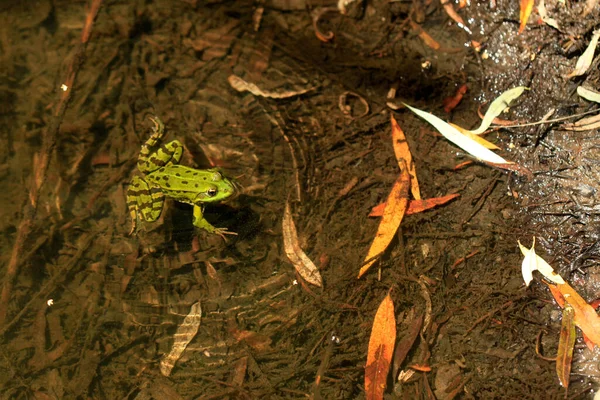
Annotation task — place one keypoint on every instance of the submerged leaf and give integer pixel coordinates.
(498, 106)
(394, 211)
(403, 155)
(183, 336)
(526, 8)
(452, 134)
(566, 344)
(303, 265)
(588, 94)
(585, 60)
(381, 350)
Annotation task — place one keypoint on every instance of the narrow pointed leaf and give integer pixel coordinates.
(566, 344)
(588, 94)
(381, 350)
(416, 206)
(498, 106)
(526, 7)
(452, 134)
(403, 155)
(303, 265)
(394, 211)
(585, 60)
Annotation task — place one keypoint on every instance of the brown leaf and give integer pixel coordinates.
(566, 343)
(526, 7)
(451, 102)
(403, 155)
(416, 206)
(303, 265)
(406, 343)
(381, 349)
(395, 207)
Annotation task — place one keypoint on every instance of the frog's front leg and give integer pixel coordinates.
(144, 200)
(154, 155)
(202, 223)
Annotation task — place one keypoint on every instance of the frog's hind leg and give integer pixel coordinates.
(154, 155)
(144, 201)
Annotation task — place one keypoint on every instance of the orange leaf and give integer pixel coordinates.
(416, 206)
(381, 349)
(419, 367)
(585, 315)
(403, 154)
(526, 7)
(395, 207)
(566, 343)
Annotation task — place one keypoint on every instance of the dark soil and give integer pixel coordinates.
(117, 299)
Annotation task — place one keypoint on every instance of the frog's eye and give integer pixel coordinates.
(212, 192)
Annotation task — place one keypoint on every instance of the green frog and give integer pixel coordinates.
(163, 177)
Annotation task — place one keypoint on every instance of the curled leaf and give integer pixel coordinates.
(303, 265)
(532, 262)
(403, 155)
(497, 106)
(585, 60)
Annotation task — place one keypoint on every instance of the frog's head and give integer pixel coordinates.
(216, 188)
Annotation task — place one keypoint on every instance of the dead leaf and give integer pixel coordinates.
(566, 343)
(585, 60)
(485, 143)
(182, 337)
(416, 206)
(406, 343)
(381, 349)
(242, 86)
(396, 205)
(526, 8)
(303, 265)
(403, 155)
(585, 315)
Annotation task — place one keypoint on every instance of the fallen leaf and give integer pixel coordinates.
(394, 210)
(585, 60)
(242, 86)
(303, 265)
(544, 16)
(532, 262)
(404, 346)
(498, 106)
(566, 343)
(183, 336)
(381, 349)
(588, 94)
(485, 143)
(526, 8)
(452, 134)
(403, 155)
(449, 8)
(585, 315)
(416, 206)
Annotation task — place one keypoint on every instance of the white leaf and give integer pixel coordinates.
(452, 134)
(588, 94)
(497, 107)
(585, 60)
(532, 262)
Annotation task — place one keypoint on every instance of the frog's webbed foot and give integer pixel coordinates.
(202, 223)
